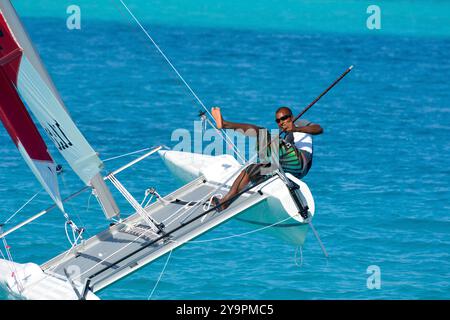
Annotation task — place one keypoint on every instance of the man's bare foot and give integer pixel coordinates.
(215, 111)
(216, 202)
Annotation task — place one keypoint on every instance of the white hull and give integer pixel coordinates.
(277, 206)
(27, 281)
(129, 245)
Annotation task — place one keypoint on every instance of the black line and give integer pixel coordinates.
(174, 230)
(184, 202)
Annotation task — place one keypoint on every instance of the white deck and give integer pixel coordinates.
(129, 245)
(125, 247)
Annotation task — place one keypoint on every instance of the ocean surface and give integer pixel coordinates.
(381, 172)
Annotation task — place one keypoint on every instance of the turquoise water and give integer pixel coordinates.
(406, 17)
(381, 169)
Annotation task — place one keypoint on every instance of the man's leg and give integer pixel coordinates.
(241, 181)
(250, 174)
(246, 175)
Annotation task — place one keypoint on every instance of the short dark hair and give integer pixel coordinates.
(284, 108)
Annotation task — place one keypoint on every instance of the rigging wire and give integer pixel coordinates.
(316, 234)
(242, 234)
(133, 202)
(23, 206)
(152, 233)
(11, 264)
(74, 236)
(3, 256)
(198, 99)
(62, 260)
(236, 150)
(160, 276)
(69, 220)
(88, 205)
(126, 154)
(184, 207)
(189, 88)
(298, 262)
(192, 209)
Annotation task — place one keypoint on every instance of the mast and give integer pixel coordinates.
(36, 90)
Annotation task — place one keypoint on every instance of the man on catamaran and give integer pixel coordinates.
(295, 149)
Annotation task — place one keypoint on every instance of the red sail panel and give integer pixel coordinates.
(18, 122)
(10, 52)
(13, 113)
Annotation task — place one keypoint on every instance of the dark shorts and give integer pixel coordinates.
(306, 163)
(296, 163)
(258, 171)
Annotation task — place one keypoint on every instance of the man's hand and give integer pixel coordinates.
(311, 129)
(217, 115)
(289, 126)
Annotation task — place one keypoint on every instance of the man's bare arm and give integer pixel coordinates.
(245, 128)
(313, 129)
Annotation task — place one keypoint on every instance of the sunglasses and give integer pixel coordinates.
(283, 118)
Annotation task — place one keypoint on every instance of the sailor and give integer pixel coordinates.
(295, 148)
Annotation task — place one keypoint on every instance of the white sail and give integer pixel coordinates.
(45, 172)
(39, 94)
(57, 123)
(17, 120)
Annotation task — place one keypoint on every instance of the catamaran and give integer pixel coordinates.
(156, 227)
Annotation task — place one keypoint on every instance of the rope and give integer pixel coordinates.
(190, 210)
(74, 228)
(316, 234)
(51, 269)
(224, 137)
(241, 234)
(147, 231)
(239, 170)
(115, 252)
(62, 259)
(148, 202)
(74, 231)
(69, 220)
(185, 207)
(23, 206)
(132, 201)
(11, 264)
(296, 261)
(3, 256)
(126, 154)
(88, 206)
(190, 89)
(179, 75)
(160, 276)
(208, 204)
(318, 239)
(145, 198)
